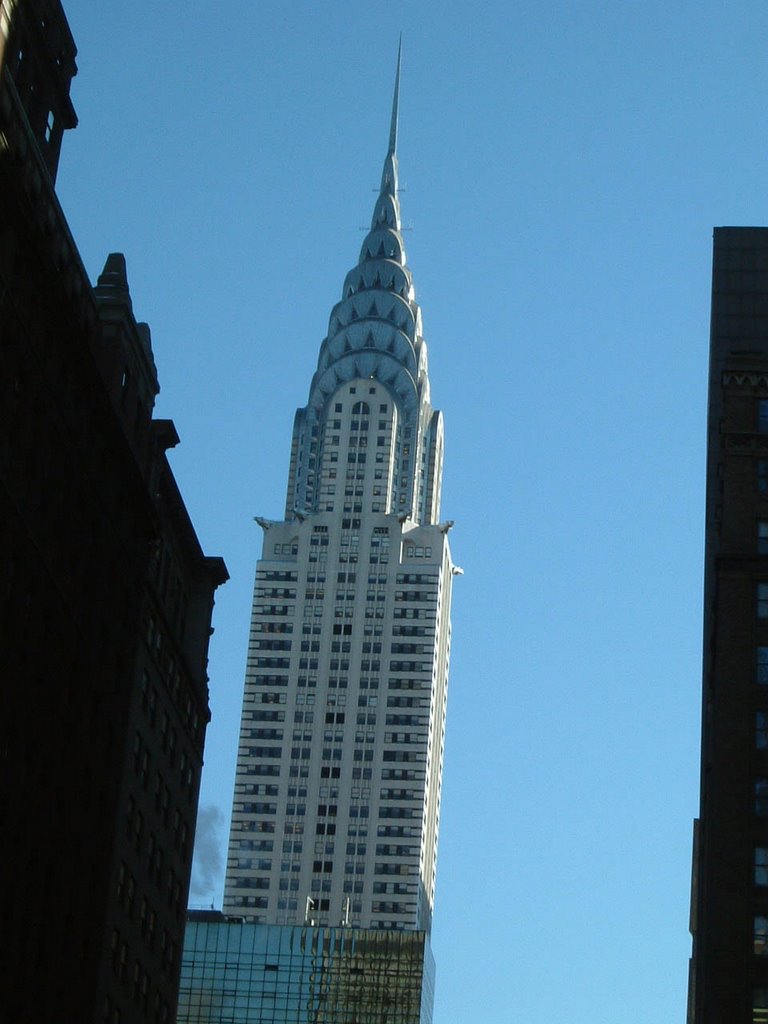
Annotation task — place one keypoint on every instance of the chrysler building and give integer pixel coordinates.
(337, 792)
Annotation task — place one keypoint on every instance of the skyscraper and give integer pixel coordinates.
(729, 913)
(337, 793)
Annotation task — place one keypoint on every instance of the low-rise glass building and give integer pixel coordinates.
(238, 973)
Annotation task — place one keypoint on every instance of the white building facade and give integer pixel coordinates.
(337, 792)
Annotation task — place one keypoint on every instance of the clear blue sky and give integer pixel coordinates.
(563, 167)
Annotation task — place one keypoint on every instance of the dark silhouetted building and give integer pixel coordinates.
(729, 913)
(105, 598)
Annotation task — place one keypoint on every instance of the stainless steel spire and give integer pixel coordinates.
(396, 101)
(389, 174)
(375, 332)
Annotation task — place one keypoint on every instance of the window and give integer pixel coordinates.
(761, 798)
(762, 537)
(762, 415)
(760, 1006)
(762, 600)
(761, 866)
(760, 936)
(761, 730)
(762, 476)
(761, 676)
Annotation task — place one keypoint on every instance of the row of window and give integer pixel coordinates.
(120, 955)
(418, 551)
(161, 646)
(186, 708)
(356, 811)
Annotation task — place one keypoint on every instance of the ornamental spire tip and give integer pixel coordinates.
(396, 100)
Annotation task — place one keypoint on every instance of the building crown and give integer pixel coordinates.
(375, 333)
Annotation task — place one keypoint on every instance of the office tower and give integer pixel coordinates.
(278, 974)
(105, 598)
(337, 792)
(729, 913)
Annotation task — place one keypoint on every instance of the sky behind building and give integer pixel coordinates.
(562, 168)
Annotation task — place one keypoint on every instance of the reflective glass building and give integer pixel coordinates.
(235, 972)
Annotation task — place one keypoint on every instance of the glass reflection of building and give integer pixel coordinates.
(239, 972)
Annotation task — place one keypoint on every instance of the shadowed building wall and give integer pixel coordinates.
(729, 913)
(105, 598)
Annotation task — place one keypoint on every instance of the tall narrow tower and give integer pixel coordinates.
(729, 918)
(337, 792)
